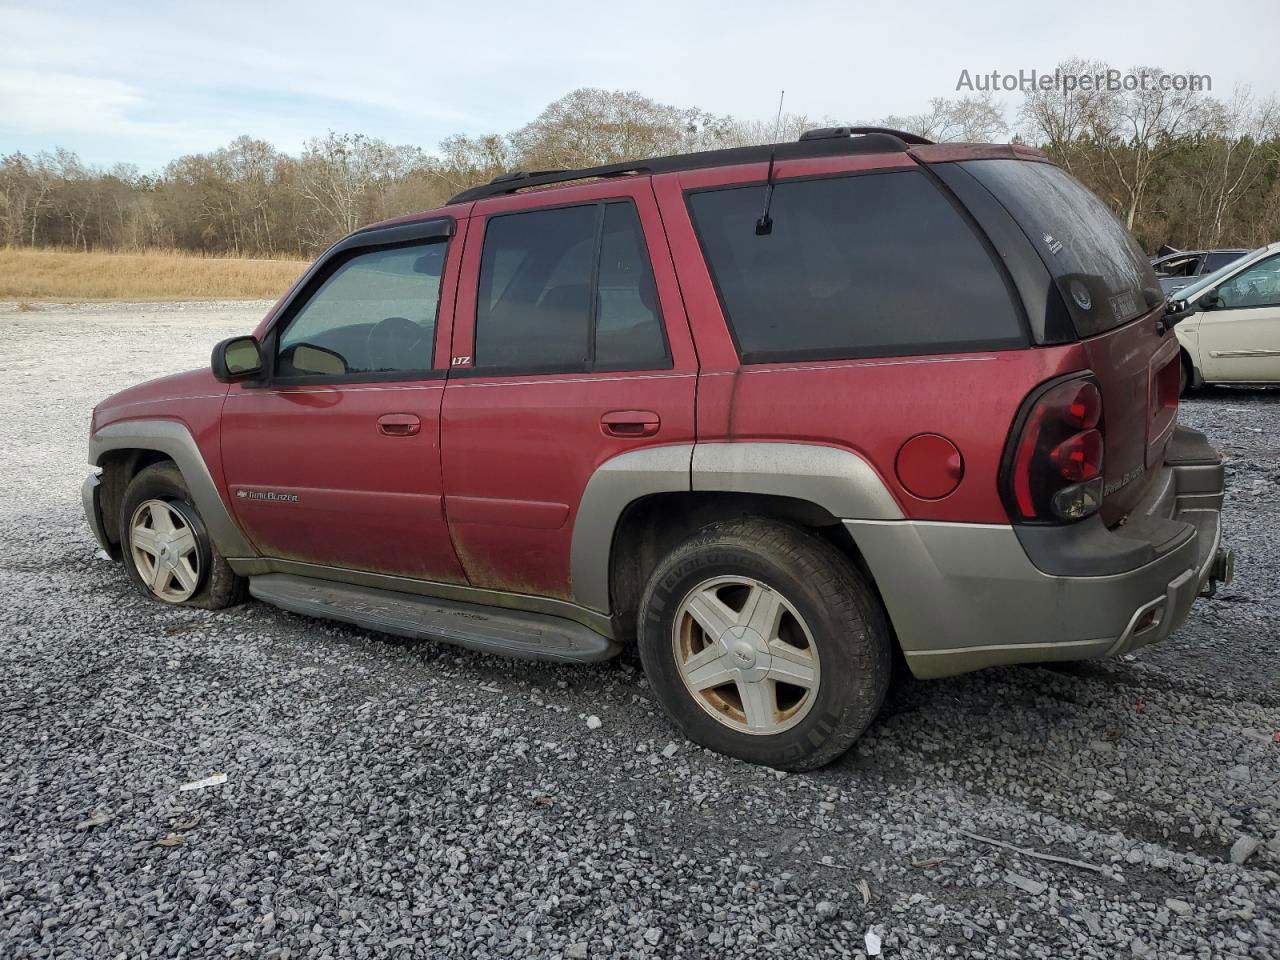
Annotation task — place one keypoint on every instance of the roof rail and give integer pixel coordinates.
(869, 140)
(832, 133)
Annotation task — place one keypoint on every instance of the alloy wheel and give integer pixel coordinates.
(165, 551)
(746, 655)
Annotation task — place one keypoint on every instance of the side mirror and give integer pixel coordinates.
(239, 358)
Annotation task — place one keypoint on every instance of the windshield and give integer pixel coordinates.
(1193, 290)
(1103, 275)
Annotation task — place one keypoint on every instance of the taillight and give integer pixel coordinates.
(1053, 467)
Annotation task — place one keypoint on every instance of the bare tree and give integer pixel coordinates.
(1238, 148)
(1139, 129)
(589, 127)
(1058, 118)
(973, 119)
(342, 177)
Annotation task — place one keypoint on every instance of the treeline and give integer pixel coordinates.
(1181, 168)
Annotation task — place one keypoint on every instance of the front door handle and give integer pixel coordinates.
(399, 424)
(630, 423)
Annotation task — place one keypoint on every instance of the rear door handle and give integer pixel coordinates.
(630, 423)
(399, 424)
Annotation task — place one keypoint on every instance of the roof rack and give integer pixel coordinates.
(832, 133)
(829, 141)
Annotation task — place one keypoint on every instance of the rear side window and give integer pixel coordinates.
(1103, 275)
(568, 289)
(870, 265)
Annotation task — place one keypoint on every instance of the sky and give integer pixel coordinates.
(145, 82)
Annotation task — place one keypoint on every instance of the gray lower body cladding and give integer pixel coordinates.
(487, 629)
(966, 596)
(90, 494)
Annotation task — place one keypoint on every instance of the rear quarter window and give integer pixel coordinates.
(1103, 275)
(876, 264)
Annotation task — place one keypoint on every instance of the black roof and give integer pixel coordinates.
(825, 142)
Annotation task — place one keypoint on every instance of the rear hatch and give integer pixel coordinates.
(1115, 303)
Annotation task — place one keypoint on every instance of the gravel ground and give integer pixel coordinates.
(387, 798)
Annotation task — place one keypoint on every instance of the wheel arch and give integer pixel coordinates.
(639, 505)
(125, 448)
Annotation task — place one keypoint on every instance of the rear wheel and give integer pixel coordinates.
(167, 549)
(763, 642)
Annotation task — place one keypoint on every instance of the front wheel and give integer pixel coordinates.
(167, 549)
(763, 642)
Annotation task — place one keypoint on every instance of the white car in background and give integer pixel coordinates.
(1228, 323)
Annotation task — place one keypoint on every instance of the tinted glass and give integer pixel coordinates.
(543, 304)
(1193, 290)
(1216, 261)
(871, 265)
(1103, 275)
(534, 305)
(375, 314)
(628, 328)
(1255, 286)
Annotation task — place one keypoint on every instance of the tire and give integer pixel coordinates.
(828, 630)
(1186, 375)
(192, 573)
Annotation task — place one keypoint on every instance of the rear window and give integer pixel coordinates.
(869, 265)
(1104, 277)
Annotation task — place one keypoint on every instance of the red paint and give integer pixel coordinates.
(367, 499)
(486, 489)
(929, 466)
(519, 443)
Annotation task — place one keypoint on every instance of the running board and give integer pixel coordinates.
(513, 633)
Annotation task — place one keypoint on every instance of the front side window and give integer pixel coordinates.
(870, 265)
(567, 289)
(1256, 286)
(374, 315)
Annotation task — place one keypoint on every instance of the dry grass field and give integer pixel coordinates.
(153, 275)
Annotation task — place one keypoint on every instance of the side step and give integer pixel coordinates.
(533, 636)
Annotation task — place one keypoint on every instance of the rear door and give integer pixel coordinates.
(571, 347)
(1240, 338)
(335, 460)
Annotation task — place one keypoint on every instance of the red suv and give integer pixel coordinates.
(772, 414)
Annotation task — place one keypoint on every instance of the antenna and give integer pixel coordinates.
(764, 225)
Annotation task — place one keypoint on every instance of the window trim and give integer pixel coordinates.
(760, 357)
(393, 237)
(590, 365)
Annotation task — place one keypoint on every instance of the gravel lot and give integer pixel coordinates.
(387, 798)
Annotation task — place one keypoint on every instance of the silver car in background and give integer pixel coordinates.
(1182, 268)
(1228, 323)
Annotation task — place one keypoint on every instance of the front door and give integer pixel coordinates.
(335, 459)
(571, 347)
(1240, 337)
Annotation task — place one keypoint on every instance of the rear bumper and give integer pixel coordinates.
(965, 596)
